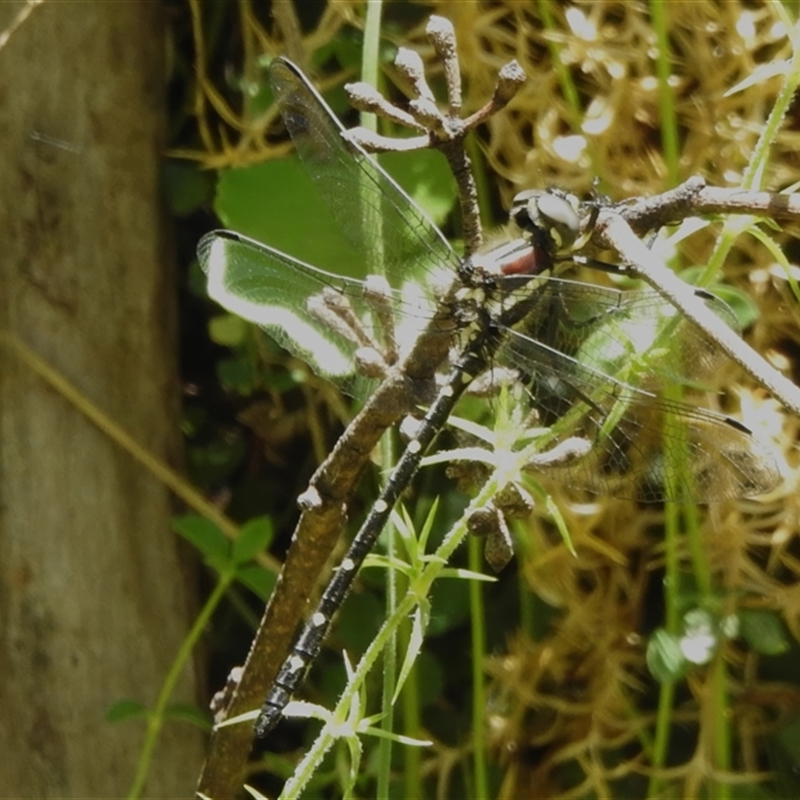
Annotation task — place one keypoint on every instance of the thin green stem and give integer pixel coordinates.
(666, 701)
(369, 74)
(669, 120)
(679, 462)
(564, 75)
(371, 54)
(478, 619)
(666, 695)
(753, 177)
(697, 547)
(157, 716)
(412, 725)
(723, 736)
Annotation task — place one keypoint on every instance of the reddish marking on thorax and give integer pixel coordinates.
(531, 262)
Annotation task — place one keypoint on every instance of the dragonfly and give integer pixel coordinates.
(586, 362)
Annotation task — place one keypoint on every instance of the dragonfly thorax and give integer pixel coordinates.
(551, 225)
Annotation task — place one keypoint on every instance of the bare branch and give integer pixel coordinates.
(713, 200)
(510, 80)
(445, 132)
(375, 143)
(694, 198)
(443, 38)
(364, 97)
(427, 113)
(410, 66)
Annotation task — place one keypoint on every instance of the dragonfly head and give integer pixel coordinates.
(552, 218)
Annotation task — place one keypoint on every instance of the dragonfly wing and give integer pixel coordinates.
(592, 359)
(636, 336)
(659, 451)
(375, 214)
(322, 318)
(645, 336)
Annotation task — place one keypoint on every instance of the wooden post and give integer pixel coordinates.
(94, 598)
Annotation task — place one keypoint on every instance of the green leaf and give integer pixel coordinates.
(665, 658)
(557, 517)
(205, 536)
(282, 381)
(783, 748)
(449, 606)
(254, 537)
(763, 631)
(277, 204)
(189, 713)
(213, 462)
(744, 308)
(126, 709)
(420, 623)
(426, 178)
(228, 330)
(745, 311)
(780, 257)
(359, 620)
(347, 48)
(237, 374)
(356, 750)
(187, 186)
(760, 74)
(258, 580)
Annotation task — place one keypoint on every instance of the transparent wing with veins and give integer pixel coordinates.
(346, 330)
(375, 215)
(589, 361)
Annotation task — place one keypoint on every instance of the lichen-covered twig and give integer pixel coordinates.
(445, 131)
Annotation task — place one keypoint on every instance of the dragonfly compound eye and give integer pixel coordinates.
(549, 212)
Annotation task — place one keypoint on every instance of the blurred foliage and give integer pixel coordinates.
(574, 705)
